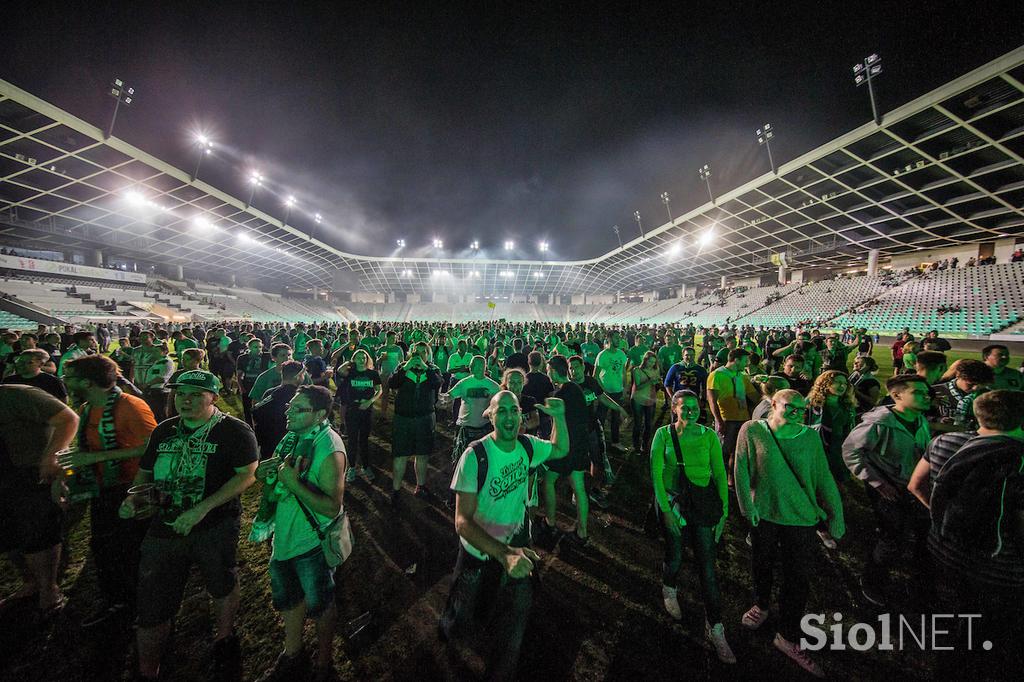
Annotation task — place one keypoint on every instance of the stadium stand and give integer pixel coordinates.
(973, 301)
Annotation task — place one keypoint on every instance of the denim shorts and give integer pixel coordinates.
(306, 577)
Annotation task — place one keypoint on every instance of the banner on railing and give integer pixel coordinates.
(50, 267)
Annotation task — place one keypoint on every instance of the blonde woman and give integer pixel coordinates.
(833, 404)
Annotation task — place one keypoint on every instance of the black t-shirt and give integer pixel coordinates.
(592, 390)
(229, 445)
(518, 360)
(538, 386)
(359, 385)
(47, 382)
(577, 417)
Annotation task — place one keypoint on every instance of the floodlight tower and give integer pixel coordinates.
(764, 138)
(705, 174)
(639, 223)
(865, 72)
(615, 229)
(288, 203)
(668, 206)
(123, 94)
(255, 180)
(205, 145)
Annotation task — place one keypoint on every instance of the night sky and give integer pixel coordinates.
(460, 123)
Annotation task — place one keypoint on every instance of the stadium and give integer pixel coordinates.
(200, 276)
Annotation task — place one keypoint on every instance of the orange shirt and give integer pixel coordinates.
(133, 422)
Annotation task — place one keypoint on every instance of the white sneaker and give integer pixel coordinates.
(350, 475)
(798, 655)
(716, 635)
(669, 596)
(827, 539)
(754, 617)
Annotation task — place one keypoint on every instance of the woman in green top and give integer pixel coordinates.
(691, 491)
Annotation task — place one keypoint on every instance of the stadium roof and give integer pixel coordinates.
(943, 170)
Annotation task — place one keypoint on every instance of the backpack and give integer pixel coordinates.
(481, 458)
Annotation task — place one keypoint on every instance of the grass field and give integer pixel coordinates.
(597, 614)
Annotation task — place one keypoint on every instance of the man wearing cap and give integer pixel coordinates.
(199, 463)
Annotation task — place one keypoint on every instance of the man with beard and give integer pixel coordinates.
(113, 430)
(199, 462)
(491, 518)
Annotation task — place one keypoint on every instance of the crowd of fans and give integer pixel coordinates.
(783, 423)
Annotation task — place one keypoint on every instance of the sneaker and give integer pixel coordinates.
(579, 541)
(873, 595)
(103, 614)
(350, 475)
(669, 596)
(716, 635)
(827, 540)
(422, 492)
(749, 541)
(368, 474)
(286, 668)
(799, 656)
(599, 498)
(227, 658)
(546, 535)
(754, 617)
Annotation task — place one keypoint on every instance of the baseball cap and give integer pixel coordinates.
(198, 378)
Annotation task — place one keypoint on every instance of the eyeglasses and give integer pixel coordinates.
(795, 408)
(292, 408)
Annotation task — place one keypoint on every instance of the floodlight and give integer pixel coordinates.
(475, 245)
(134, 197)
(509, 245)
(401, 244)
(706, 238)
(290, 201)
(438, 244)
(543, 247)
(318, 218)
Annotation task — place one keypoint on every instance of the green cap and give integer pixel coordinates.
(198, 378)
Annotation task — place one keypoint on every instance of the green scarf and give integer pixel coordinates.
(86, 481)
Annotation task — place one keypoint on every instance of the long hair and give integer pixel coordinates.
(369, 358)
(823, 385)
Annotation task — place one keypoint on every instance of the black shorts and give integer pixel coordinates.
(413, 436)
(30, 522)
(165, 564)
(578, 459)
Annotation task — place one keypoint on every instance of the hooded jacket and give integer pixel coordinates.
(881, 450)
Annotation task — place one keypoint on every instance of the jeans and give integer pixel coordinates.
(304, 578)
(730, 432)
(702, 542)
(484, 599)
(115, 546)
(643, 423)
(616, 417)
(901, 522)
(359, 423)
(793, 547)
